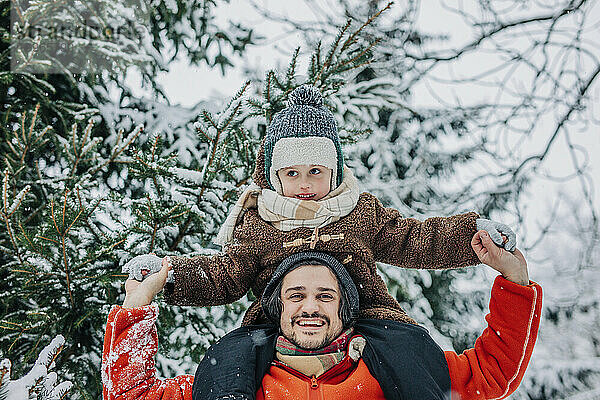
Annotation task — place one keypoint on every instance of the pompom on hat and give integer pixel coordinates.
(303, 133)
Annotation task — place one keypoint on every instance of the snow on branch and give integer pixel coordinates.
(38, 383)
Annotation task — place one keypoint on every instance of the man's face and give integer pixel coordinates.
(311, 299)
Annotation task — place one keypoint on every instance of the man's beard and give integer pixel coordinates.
(311, 346)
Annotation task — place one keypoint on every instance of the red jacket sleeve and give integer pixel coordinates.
(494, 367)
(128, 359)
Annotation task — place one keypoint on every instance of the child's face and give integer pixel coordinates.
(305, 182)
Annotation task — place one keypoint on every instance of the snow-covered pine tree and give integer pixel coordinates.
(78, 204)
(57, 97)
(56, 258)
(30, 104)
(195, 198)
(107, 43)
(53, 171)
(39, 383)
(179, 30)
(175, 206)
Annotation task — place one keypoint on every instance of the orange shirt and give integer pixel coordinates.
(346, 380)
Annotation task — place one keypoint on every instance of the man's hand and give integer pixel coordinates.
(511, 265)
(140, 294)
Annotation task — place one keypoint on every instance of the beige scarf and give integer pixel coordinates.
(287, 213)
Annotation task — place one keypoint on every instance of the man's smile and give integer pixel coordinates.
(312, 323)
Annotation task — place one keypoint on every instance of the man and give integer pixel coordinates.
(319, 354)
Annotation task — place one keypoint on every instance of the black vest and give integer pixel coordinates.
(403, 358)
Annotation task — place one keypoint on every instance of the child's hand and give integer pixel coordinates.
(140, 294)
(501, 234)
(512, 266)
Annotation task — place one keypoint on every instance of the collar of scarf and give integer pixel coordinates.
(287, 213)
(317, 362)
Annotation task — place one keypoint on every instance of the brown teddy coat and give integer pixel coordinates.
(368, 234)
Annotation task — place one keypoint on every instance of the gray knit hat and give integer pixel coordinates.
(296, 260)
(304, 133)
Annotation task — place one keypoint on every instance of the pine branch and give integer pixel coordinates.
(332, 50)
(352, 39)
(291, 70)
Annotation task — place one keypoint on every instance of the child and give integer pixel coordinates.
(304, 198)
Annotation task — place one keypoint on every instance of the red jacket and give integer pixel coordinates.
(492, 369)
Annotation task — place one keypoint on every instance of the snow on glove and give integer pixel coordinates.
(148, 262)
(496, 230)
